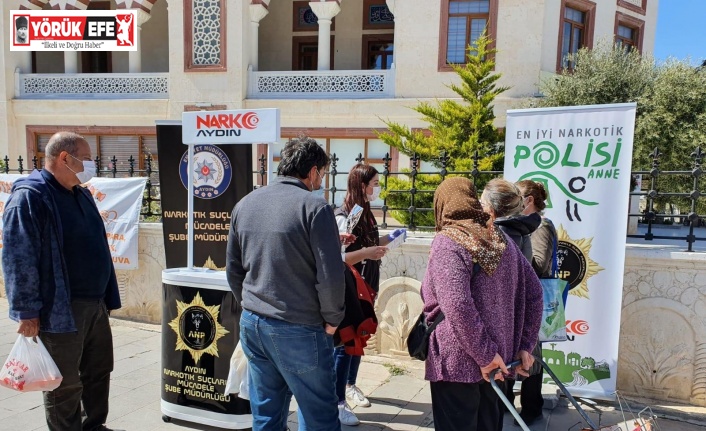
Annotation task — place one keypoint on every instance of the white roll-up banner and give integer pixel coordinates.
(583, 157)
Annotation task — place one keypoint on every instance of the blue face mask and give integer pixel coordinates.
(319, 192)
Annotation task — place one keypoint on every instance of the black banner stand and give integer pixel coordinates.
(200, 318)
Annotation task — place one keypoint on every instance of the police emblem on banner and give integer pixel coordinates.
(212, 171)
(575, 264)
(197, 328)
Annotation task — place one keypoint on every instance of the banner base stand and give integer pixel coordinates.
(233, 422)
(199, 333)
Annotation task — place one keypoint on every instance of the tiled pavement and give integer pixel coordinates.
(400, 397)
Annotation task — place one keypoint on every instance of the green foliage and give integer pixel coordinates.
(671, 107)
(673, 115)
(674, 121)
(395, 370)
(604, 75)
(459, 129)
(400, 203)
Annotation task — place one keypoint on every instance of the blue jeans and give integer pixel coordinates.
(346, 371)
(288, 357)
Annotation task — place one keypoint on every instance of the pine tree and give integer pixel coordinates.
(459, 128)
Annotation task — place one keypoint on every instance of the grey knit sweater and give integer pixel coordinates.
(284, 255)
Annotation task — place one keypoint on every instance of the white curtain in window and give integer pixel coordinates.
(122, 147)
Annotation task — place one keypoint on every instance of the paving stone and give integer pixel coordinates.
(363, 427)
(26, 420)
(136, 378)
(138, 348)
(22, 401)
(140, 419)
(399, 403)
(379, 413)
(132, 401)
(128, 365)
(399, 390)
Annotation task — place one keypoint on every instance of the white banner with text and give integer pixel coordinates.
(583, 157)
(240, 126)
(119, 201)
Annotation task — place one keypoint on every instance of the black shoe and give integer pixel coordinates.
(527, 418)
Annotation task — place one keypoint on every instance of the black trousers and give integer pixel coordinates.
(466, 406)
(85, 360)
(531, 398)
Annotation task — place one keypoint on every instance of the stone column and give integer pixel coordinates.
(70, 61)
(325, 10)
(26, 65)
(26, 62)
(258, 10)
(135, 57)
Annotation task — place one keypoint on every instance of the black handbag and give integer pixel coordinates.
(418, 338)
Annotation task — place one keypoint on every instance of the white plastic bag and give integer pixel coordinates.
(238, 374)
(29, 367)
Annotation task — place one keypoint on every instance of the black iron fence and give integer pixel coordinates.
(670, 189)
(672, 204)
(113, 168)
(663, 195)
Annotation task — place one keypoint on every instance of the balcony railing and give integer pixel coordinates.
(323, 84)
(92, 86)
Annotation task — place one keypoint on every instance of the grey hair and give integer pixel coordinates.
(504, 197)
(62, 141)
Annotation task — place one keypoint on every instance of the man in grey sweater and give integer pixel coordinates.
(284, 267)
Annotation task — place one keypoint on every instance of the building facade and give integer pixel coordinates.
(335, 68)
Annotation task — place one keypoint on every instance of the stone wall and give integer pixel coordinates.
(662, 336)
(141, 289)
(663, 329)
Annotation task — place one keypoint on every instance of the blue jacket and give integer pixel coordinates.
(36, 278)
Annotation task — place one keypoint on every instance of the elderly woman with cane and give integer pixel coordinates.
(492, 303)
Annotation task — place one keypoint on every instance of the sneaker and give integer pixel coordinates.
(354, 394)
(346, 415)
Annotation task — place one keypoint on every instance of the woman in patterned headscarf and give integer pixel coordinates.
(492, 303)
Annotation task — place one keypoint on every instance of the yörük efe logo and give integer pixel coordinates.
(212, 171)
(73, 30)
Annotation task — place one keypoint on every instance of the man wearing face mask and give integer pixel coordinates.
(284, 266)
(60, 280)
